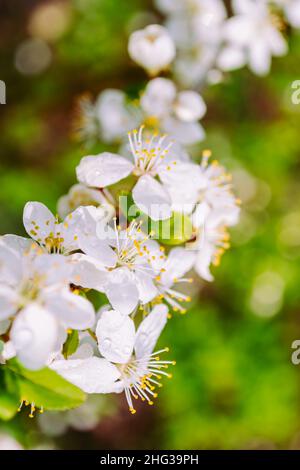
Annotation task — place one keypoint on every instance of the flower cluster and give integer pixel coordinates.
(198, 44)
(140, 224)
(46, 280)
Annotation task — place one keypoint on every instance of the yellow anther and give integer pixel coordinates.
(206, 153)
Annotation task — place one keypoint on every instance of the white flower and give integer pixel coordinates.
(177, 113)
(127, 277)
(115, 116)
(151, 160)
(34, 289)
(210, 189)
(251, 38)
(192, 67)
(197, 22)
(128, 363)
(161, 107)
(291, 9)
(80, 195)
(178, 262)
(68, 236)
(212, 206)
(152, 48)
(196, 28)
(47, 231)
(212, 239)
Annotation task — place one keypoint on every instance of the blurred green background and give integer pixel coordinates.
(234, 385)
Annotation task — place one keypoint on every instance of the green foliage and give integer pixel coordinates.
(8, 406)
(174, 231)
(71, 344)
(44, 388)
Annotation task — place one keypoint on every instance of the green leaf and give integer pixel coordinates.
(8, 406)
(71, 344)
(46, 388)
(123, 187)
(174, 231)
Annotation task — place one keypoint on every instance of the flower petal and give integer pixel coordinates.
(99, 249)
(38, 221)
(121, 290)
(187, 133)
(115, 333)
(10, 265)
(20, 244)
(52, 269)
(145, 286)
(158, 96)
(34, 336)
(103, 170)
(92, 375)
(9, 301)
(150, 330)
(189, 106)
(179, 262)
(70, 309)
(152, 198)
(203, 260)
(88, 273)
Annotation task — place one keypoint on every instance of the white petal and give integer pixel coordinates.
(231, 58)
(9, 351)
(184, 176)
(276, 42)
(103, 170)
(239, 31)
(93, 375)
(146, 287)
(34, 336)
(115, 116)
(71, 310)
(179, 262)
(150, 330)
(260, 58)
(152, 48)
(121, 291)
(292, 10)
(189, 106)
(98, 249)
(187, 133)
(52, 269)
(243, 7)
(9, 302)
(201, 214)
(38, 221)
(20, 244)
(152, 198)
(88, 273)
(158, 96)
(203, 260)
(10, 265)
(115, 333)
